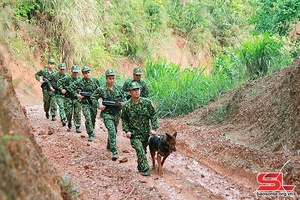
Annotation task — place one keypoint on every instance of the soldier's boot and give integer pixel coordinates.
(91, 137)
(114, 156)
(69, 125)
(53, 118)
(47, 115)
(145, 173)
(78, 129)
(64, 122)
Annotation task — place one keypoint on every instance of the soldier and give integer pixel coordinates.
(137, 113)
(137, 73)
(72, 103)
(83, 89)
(60, 98)
(112, 100)
(43, 77)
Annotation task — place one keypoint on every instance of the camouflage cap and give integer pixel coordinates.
(62, 66)
(134, 85)
(51, 60)
(137, 71)
(85, 69)
(75, 68)
(110, 72)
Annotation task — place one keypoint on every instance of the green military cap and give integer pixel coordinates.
(62, 66)
(51, 60)
(110, 72)
(137, 71)
(85, 69)
(134, 85)
(75, 68)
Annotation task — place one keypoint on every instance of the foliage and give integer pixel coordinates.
(229, 20)
(177, 92)
(263, 54)
(276, 16)
(69, 191)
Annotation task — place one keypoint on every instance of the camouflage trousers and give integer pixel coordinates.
(73, 107)
(90, 113)
(111, 123)
(140, 143)
(49, 102)
(60, 100)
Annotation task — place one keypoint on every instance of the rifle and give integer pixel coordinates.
(68, 93)
(46, 84)
(86, 94)
(111, 103)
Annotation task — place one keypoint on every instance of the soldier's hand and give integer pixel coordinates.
(119, 104)
(52, 89)
(63, 91)
(102, 107)
(80, 96)
(41, 81)
(128, 134)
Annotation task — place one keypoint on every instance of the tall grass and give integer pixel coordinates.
(177, 92)
(263, 54)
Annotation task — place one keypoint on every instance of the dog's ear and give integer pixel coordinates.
(175, 134)
(168, 135)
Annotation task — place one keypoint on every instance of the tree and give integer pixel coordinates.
(276, 16)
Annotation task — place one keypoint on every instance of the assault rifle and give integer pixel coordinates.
(46, 83)
(111, 103)
(86, 94)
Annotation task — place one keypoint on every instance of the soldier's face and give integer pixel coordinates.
(87, 75)
(51, 66)
(137, 77)
(135, 93)
(61, 71)
(74, 74)
(110, 80)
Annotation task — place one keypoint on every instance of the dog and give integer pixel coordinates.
(164, 145)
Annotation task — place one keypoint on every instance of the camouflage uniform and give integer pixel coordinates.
(135, 119)
(72, 103)
(143, 86)
(89, 111)
(60, 98)
(111, 114)
(48, 96)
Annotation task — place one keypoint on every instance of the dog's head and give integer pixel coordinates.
(171, 141)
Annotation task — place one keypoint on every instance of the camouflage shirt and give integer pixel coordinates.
(54, 77)
(45, 73)
(85, 86)
(114, 94)
(136, 118)
(65, 82)
(144, 87)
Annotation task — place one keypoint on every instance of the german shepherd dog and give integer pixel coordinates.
(164, 145)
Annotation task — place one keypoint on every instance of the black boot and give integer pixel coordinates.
(53, 118)
(69, 125)
(47, 115)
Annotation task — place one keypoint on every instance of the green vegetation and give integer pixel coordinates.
(100, 33)
(69, 191)
(178, 92)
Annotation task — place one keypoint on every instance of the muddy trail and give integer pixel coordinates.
(90, 168)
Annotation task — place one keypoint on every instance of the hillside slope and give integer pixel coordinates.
(25, 173)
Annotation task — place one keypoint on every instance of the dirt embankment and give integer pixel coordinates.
(24, 172)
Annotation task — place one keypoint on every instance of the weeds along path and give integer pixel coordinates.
(90, 167)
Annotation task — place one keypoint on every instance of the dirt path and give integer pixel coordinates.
(90, 167)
